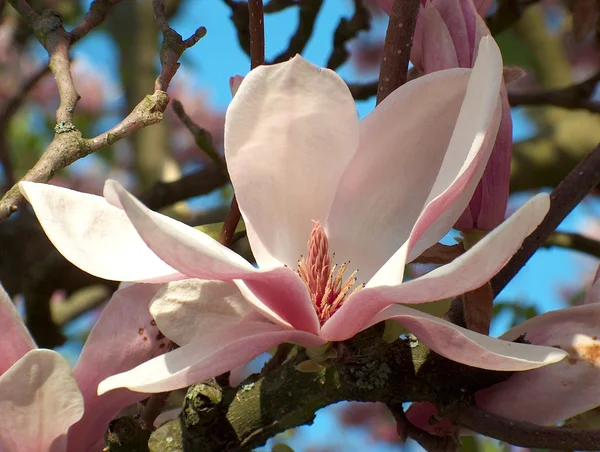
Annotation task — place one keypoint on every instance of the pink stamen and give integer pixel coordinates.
(324, 280)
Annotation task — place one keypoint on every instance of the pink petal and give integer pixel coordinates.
(186, 310)
(207, 357)
(39, 401)
(487, 207)
(467, 154)
(94, 235)
(386, 188)
(557, 392)
(454, 18)
(482, 6)
(468, 347)
(424, 416)
(463, 274)
(290, 132)
(279, 293)
(124, 337)
(12, 327)
(439, 51)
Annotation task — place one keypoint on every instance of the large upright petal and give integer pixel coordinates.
(552, 394)
(39, 401)
(404, 172)
(279, 293)
(465, 273)
(290, 131)
(124, 337)
(207, 357)
(94, 235)
(468, 347)
(17, 340)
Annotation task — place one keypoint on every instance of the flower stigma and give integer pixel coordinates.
(324, 279)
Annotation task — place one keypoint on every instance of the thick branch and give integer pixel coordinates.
(243, 418)
(524, 434)
(564, 198)
(397, 46)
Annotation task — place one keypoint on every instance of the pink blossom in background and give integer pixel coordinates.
(305, 170)
(548, 395)
(46, 406)
(446, 36)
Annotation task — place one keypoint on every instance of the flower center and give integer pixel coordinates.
(324, 280)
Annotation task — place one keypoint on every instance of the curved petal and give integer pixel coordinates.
(468, 152)
(439, 51)
(465, 273)
(207, 357)
(487, 207)
(552, 394)
(186, 310)
(197, 255)
(386, 189)
(290, 131)
(12, 327)
(124, 337)
(468, 347)
(454, 17)
(39, 401)
(94, 235)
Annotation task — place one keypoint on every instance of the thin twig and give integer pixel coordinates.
(98, 11)
(570, 192)
(257, 58)
(202, 137)
(163, 194)
(397, 46)
(572, 97)
(576, 242)
(68, 145)
(346, 31)
(7, 112)
(308, 12)
(525, 434)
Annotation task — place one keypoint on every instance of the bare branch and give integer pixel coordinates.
(397, 46)
(257, 58)
(572, 97)
(98, 11)
(570, 192)
(525, 434)
(308, 12)
(346, 31)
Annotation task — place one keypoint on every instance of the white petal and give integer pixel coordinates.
(185, 310)
(94, 235)
(207, 357)
(39, 401)
(290, 131)
(465, 273)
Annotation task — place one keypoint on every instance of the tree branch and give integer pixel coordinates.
(68, 145)
(525, 434)
(308, 12)
(257, 58)
(572, 97)
(346, 31)
(564, 198)
(576, 242)
(397, 46)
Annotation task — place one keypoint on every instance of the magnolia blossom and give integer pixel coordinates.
(446, 36)
(548, 395)
(47, 406)
(304, 169)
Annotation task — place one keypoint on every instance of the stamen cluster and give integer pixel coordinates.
(324, 279)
